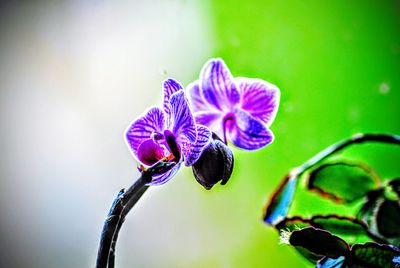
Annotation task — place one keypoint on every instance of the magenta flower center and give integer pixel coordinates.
(157, 147)
(150, 152)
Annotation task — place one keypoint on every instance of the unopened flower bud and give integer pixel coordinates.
(215, 164)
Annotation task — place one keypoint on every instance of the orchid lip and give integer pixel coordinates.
(150, 152)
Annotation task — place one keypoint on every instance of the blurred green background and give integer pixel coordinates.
(338, 66)
(74, 74)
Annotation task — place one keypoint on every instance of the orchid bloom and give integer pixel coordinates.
(168, 134)
(239, 109)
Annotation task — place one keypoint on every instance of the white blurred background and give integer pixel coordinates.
(73, 76)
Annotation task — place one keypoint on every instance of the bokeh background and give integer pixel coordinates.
(74, 74)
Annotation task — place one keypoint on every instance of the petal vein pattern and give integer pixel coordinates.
(259, 98)
(182, 118)
(153, 120)
(197, 102)
(218, 86)
(170, 87)
(192, 151)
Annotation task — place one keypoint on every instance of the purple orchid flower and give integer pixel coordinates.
(238, 109)
(169, 134)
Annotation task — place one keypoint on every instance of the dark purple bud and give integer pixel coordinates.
(215, 164)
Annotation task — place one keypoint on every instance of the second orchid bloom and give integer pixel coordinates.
(239, 110)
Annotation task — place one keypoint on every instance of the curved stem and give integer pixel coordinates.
(132, 201)
(121, 206)
(356, 139)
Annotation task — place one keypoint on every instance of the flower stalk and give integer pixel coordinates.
(120, 208)
(355, 139)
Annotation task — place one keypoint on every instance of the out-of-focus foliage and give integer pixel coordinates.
(338, 181)
(335, 252)
(337, 66)
(369, 237)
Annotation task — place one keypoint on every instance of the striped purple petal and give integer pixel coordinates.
(192, 151)
(170, 87)
(247, 132)
(152, 120)
(211, 119)
(165, 177)
(259, 98)
(196, 100)
(181, 117)
(218, 86)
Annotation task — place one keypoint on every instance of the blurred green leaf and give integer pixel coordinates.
(368, 211)
(350, 228)
(293, 224)
(368, 255)
(343, 181)
(339, 224)
(319, 242)
(372, 255)
(395, 185)
(388, 219)
(382, 217)
(310, 256)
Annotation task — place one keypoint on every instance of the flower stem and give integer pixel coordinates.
(355, 139)
(121, 206)
(111, 255)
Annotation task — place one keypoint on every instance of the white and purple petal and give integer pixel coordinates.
(170, 87)
(165, 177)
(181, 117)
(259, 98)
(211, 119)
(141, 129)
(192, 151)
(196, 100)
(218, 86)
(247, 132)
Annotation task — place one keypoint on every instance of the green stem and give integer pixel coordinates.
(356, 139)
